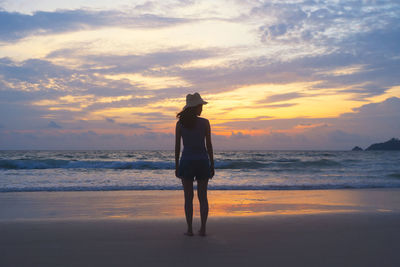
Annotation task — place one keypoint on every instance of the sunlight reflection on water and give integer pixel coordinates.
(169, 204)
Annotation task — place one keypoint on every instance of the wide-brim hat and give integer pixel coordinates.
(194, 100)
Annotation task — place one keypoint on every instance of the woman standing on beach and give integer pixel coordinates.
(197, 161)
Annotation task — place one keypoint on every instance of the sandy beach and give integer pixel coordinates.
(246, 228)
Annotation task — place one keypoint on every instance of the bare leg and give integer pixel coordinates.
(202, 194)
(188, 192)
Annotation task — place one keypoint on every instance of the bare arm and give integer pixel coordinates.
(177, 147)
(210, 148)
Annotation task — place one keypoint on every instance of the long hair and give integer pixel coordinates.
(187, 117)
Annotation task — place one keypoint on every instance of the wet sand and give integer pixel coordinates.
(246, 228)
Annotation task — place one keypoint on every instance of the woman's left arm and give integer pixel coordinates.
(210, 148)
(177, 148)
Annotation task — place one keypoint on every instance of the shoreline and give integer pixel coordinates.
(152, 204)
(210, 188)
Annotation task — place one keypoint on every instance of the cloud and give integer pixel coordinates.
(54, 125)
(130, 125)
(14, 25)
(110, 120)
(40, 88)
(152, 116)
(44, 75)
(133, 125)
(390, 108)
(280, 105)
(367, 124)
(85, 140)
(144, 62)
(379, 71)
(323, 21)
(16, 112)
(376, 120)
(282, 97)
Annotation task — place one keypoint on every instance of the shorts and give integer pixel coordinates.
(194, 169)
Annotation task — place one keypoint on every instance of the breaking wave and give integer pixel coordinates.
(156, 165)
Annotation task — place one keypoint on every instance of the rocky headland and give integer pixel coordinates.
(393, 144)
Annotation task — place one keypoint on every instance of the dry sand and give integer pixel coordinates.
(352, 237)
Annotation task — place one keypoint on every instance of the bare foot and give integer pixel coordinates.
(202, 232)
(188, 233)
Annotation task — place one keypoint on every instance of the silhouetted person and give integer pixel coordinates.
(197, 161)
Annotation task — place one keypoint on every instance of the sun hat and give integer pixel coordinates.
(194, 100)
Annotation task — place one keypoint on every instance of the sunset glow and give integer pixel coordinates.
(294, 75)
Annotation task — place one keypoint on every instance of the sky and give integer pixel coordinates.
(290, 75)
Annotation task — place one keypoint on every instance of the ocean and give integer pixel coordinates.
(235, 170)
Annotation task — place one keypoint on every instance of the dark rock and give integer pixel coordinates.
(357, 148)
(392, 144)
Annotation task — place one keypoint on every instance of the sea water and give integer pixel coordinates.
(235, 170)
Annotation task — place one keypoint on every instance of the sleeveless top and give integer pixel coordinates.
(194, 140)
